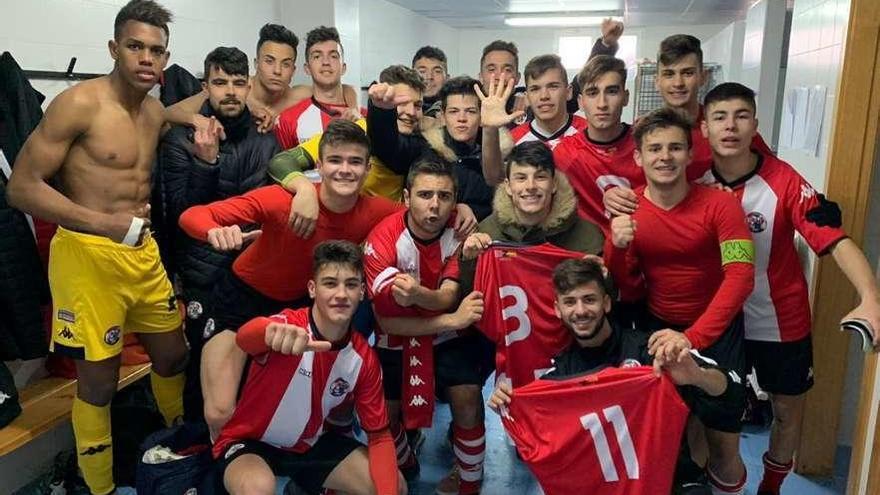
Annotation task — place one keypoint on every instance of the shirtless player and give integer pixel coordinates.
(97, 142)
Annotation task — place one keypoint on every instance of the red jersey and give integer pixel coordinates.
(518, 314)
(531, 131)
(616, 432)
(593, 167)
(278, 264)
(776, 199)
(300, 122)
(392, 249)
(694, 262)
(286, 399)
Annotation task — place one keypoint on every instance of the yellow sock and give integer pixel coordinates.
(168, 392)
(94, 446)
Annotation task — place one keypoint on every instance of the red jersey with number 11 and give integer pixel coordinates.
(616, 432)
(518, 315)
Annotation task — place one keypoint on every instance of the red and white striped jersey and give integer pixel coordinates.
(286, 399)
(776, 199)
(305, 119)
(531, 131)
(391, 248)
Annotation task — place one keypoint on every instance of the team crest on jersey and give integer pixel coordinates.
(339, 387)
(194, 309)
(505, 254)
(756, 222)
(111, 336)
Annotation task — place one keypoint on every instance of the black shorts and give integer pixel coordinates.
(729, 353)
(308, 470)
(460, 361)
(236, 303)
(782, 367)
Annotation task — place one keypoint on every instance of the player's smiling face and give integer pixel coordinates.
(530, 189)
(547, 94)
(679, 83)
(583, 309)
(730, 126)
(410, 113)
(343, 168)
(664, 155)
(337, 289)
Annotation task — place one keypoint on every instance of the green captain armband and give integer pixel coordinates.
(290, 164)
(737, 251)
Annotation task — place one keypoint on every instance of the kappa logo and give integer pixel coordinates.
(418, 401)
(304, 372)
(194, 309)
(3, 397)
(111, 336)
(172, 303)
(65, 333)
(339, 387)
(810, 373)
(414, 361)
(414, 342)
(756, 222)
(416, 380)
(368, 250)
(735, 377)
(67, 315)
(231, 450)
(97, 449)
(807, 192)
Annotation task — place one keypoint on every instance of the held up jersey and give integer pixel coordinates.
(616, 432)
(518, 314)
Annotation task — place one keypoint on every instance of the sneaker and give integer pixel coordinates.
(449, 484)
(416, 439)
(411, 469)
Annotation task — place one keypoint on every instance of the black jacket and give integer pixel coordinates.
(188, 181)
(24, 287)
(399, 151)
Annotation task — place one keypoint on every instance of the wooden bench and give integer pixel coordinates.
(47, 403)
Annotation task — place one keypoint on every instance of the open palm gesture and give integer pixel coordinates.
(493, 107)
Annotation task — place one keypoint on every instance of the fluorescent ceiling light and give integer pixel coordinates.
(556, 20)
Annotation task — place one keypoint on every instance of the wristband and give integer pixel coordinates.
(134, 232)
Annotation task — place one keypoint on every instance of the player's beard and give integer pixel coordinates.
(596, 329)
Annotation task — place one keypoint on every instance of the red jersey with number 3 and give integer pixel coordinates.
(616, 432)
(518, 314)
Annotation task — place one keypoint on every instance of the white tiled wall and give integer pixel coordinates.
(726, 49)
(44, 34)
(391, 34)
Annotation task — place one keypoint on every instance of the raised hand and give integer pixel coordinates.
(292, 340)
(623, 231)
(383, 95)
(206, 141)
(474, 245)
(493, 106)
(230, 238)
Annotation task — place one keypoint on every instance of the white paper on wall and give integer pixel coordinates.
(801, 97)
(815, 116)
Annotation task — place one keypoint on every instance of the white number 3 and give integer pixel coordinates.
(516, 310)
(615, 416)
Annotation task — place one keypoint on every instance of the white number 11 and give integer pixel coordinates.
(615, 416)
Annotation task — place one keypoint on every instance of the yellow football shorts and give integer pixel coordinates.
(101, 288)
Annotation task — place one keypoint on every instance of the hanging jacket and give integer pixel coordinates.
(188, 181)
(24, 286)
